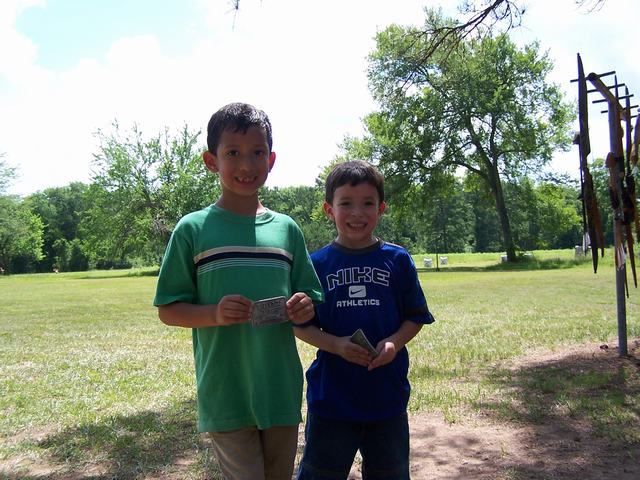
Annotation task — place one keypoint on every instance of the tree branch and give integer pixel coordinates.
(484, 18)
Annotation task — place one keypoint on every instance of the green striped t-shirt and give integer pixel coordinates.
(246, 376)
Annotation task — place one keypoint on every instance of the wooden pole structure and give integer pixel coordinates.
(615, 162)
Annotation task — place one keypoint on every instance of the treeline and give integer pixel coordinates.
(482, 106)
(141, 187)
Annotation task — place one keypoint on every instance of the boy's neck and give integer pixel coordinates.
(247, 206)
(362, 245)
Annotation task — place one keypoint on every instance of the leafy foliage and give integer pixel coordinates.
(485, 107)
(141, 187)
(20, 235)
(304, 205)
(20, 229)
(60, 209)
(7, 175)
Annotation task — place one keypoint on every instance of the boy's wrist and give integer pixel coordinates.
(306, 324)
(213, 315)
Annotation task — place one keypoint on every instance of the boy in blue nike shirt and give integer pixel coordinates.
(358, 400)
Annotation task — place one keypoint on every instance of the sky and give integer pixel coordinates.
(71, 68)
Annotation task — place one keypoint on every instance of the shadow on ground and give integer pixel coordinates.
(574, 415)
(147, 444)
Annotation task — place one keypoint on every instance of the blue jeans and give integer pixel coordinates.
(331, 446)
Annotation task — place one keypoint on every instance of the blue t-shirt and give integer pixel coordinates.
(375, 289)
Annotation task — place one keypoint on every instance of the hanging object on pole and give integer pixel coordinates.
(591, 221)
(615, 198)
(623, 203)
(634, 145)
(630, 210)
(633, 163)
(633, 169)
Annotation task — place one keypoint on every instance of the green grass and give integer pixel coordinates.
(90, 375)
(539, 259)
(92, 381)
(486, 317)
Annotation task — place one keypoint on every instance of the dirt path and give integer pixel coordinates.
(564, 448)
(480, 450)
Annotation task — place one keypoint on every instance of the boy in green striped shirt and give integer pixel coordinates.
(219, 262)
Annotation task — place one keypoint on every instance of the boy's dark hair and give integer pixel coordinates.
(236, 117)
(353, 172)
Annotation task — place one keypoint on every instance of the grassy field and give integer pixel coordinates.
(92, 382)
(543, 259)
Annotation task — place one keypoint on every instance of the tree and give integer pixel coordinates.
(449, 223)
(61, 209)
(60, 250)
(480, 18)
(299, 202)
(304, 205)
(78, 259)
(486, 228)
(140, 189)
(486, 108)
(20, 230)
(69, 256)
(560, 223)
(545, 213)
(20, 235)
(7, 175)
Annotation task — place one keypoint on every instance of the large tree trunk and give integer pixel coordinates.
(501, 209)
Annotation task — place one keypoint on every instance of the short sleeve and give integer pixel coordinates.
(177, 278)
(303, 275)
(414, 302)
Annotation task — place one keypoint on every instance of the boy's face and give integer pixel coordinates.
(355, 211)
(243, 162)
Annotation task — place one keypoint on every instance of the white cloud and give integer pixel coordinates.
(18, 53)
(303, 63)
(305, 66)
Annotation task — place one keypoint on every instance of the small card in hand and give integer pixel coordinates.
(359, 338)
(269, 311)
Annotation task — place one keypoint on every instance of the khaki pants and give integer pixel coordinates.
(252, 454)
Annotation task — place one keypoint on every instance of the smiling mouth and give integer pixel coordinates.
(245, 179)
(358, 225)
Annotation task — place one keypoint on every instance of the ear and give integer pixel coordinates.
(210, 161)
(272, 160)
(381, 208)
(328, 210)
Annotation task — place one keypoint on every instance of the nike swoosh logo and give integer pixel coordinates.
(357, 291)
